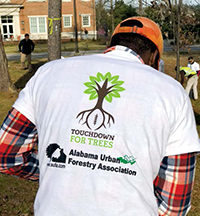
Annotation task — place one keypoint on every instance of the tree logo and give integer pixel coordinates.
(100, 87)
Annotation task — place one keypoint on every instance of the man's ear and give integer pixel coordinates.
(152, 59)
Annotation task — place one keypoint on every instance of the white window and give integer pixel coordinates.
(66, 0)
(67, 21)
(85, 0)
(37, 24)
(85, 20)
(7, 27)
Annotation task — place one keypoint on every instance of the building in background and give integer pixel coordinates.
(18, 17)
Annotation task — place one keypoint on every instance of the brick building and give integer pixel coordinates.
(18, 17)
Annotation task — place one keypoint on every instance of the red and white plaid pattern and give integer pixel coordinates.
(18, 140)
(174, 183)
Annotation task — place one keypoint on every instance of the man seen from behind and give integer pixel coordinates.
(128, 142)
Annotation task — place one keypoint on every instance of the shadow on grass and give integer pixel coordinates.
(21, 82)
(197, 117)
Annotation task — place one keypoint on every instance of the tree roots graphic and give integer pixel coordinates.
(101, 91)
(104, 114)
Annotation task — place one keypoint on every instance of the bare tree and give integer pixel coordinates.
(101, 13)
(54, 31)
(5, 81)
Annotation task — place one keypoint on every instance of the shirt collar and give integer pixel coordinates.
(126, 50)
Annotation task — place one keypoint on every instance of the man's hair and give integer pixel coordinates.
(136, 42)
(190, 57)
(26, 35)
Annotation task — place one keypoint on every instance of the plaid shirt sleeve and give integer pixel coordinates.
(18, 140)
(174, 183)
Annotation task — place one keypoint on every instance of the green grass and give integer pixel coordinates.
(65, 46)
(17, 196)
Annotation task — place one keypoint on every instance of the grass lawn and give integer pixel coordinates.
(65, 46)
(17, 196)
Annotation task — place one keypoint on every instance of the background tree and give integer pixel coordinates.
(54, 30)
(105, 11)
(161, 13)
(101, 17)
(196, 10)
(123, 11)
(165, 14)
(5, 81)
(178, 22)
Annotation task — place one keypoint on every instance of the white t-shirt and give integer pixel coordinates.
(194, 66)
(98, 153)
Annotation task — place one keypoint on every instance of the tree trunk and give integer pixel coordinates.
(177, 40)
(140, 7)
(112, 16)
(75, 27)
(5, 81)
(54, 30)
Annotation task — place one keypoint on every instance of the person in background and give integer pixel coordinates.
(26, 47)
(192, 64)
(130, 152)
(192, 80)
(86, 33)
(161, 66)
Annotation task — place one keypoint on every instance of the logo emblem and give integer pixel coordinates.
(100, 87)
(55, 153)
(127, 159)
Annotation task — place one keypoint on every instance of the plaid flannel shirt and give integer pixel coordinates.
(18, 157)
(18, 140)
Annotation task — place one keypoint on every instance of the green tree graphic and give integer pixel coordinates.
(100, 87)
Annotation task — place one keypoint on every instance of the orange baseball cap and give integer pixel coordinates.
(144, 27)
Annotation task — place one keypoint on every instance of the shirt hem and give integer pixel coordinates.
(184, 151)
(25, 113)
